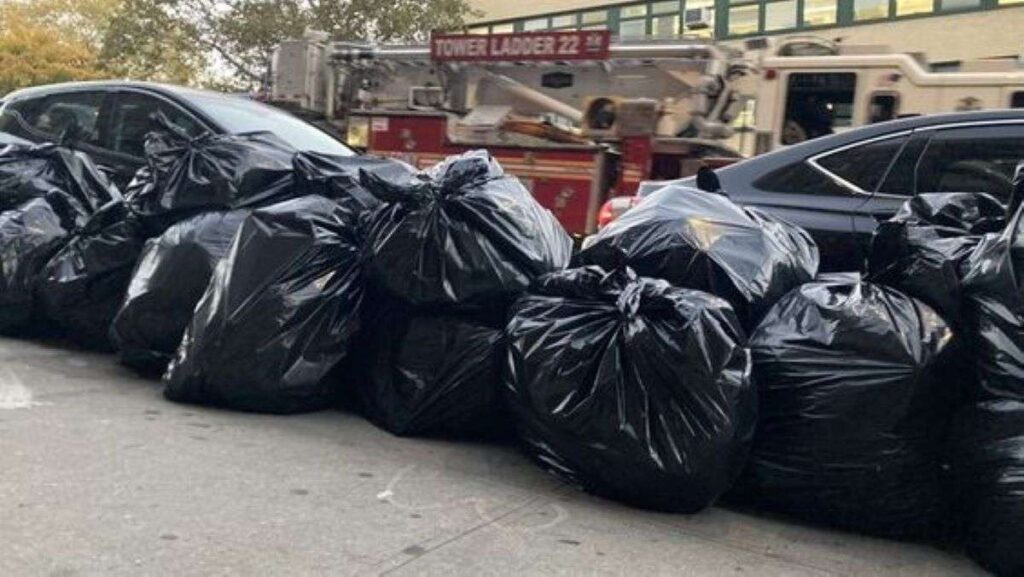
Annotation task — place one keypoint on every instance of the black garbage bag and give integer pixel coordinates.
(185, 176)
(169, 279)
(29, 236)
(993, 312)
(921, 250)
(434, 374)
(83, 284)
(988, 469)
(461, 232)
(36, 171)
(279, 313)
(852, 411)
(631, 388)
(704, 241)
(340, 177)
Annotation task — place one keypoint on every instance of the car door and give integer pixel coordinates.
(130, 117)
(981, 158)
(49, 118)
(826, 195)
(961, 158)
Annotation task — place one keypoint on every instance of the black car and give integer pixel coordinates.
(839, 187)
(112, 119)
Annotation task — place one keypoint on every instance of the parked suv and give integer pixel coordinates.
(840, 187)
(113, 118)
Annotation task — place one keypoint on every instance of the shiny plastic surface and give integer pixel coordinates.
(28, 172)
(852, 410)
(993, 312)
(462, 232)
(921, 249)
(339, 177)
(82, 286)
(988, 466)
(29, 236)
(169, 279)
(704, 241)
(434, 374)
(631, 388)
(278, 314)
(185, 176)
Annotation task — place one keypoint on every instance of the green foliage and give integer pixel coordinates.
(223, 43)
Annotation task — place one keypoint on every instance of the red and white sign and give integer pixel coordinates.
(571, 45)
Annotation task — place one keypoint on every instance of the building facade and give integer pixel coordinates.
(945, 31)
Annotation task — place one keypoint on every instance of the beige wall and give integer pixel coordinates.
(502, 9)
(972, 36)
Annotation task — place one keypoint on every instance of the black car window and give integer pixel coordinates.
(57, 113)
(866, 165)
(974, 159)
(134, 116)
(800, 178)
(15, 115)
(902, 176)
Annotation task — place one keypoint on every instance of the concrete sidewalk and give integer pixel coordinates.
(100, 475)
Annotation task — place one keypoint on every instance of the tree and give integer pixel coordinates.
(223, 43)
(38, 47)
(143, 42)
(239, 35)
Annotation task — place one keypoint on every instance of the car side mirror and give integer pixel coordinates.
(708, 181)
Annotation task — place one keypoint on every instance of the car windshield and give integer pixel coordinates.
(238, 115)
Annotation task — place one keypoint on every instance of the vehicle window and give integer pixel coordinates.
(800, 178)
(134, 116)
(816, 104)
(14, 116)
(978, 159)
(240, 116)
(1017, 100)
(866, 165)
(59, 112)
(901, 179)
(883, 107)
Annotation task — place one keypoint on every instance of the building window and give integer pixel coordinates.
(638, 10)
(819, 12)
(744, 19)
(1008, 2)
(503, 28)
(670, 7)
(870, 9)
(594, 17)
(958, 4)
(633, 28)
(908, 7)
(563, 21)
(703, 32)
(535, 24)
(667, 25)
(779, 15)
(478, 30)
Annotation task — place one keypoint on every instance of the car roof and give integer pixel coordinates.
(166, 89)
(825, 143)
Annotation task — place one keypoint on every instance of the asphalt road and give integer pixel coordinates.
(100, 475)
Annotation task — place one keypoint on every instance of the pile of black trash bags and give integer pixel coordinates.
(689, 353)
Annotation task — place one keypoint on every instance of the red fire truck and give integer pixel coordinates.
(577, 118)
